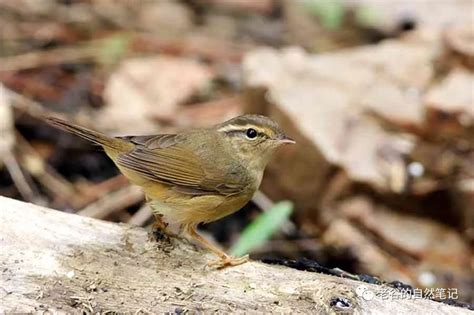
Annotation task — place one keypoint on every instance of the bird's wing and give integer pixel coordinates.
(165, 159)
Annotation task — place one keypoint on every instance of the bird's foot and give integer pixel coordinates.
(227, 261)
(160, 235)
(163, 239)
(159, 231)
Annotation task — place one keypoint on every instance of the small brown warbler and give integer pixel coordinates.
(196, 176)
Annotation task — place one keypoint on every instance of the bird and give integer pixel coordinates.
(195, 176)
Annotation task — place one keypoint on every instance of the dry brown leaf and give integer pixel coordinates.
(399, 106)
(212, 112)
(144, 90)
(450, 104)
(330, 94)
(165, 17)
(461, 39)
(390, 15)
(423, 249)
(7, 131)
(374, 260)
(420, 237)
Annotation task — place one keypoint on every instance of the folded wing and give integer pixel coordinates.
(165, 159)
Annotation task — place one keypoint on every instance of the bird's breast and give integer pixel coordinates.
(186, 209)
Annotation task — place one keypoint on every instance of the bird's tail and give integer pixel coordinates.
(91, 135)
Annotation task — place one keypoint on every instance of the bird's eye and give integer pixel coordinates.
(251, 133)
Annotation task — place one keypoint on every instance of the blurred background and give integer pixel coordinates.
(377, 94)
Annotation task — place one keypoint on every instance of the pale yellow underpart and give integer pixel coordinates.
(182, 208)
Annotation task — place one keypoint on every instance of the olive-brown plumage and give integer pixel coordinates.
(195, 176)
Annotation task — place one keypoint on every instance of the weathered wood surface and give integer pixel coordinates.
(61, 262)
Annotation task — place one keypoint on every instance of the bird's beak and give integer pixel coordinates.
(286, 140)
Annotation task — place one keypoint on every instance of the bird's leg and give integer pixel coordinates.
(225, 260)
(159, 229)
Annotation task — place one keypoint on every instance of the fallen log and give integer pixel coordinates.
(59, 262)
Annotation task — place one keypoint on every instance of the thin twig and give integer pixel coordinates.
(113, 202)
(54, 183)
(24, 104)
(265, 203)
(43, 58)
(7, 128)
(7, 142)
(92, 192)
(262, 200)
(24, 186)
(141, 216)
(104, 187)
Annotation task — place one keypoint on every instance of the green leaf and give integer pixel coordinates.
(330, 12)
(262, 228)
(113, 49)
(366, 16)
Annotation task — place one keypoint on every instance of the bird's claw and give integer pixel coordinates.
(227, 261)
